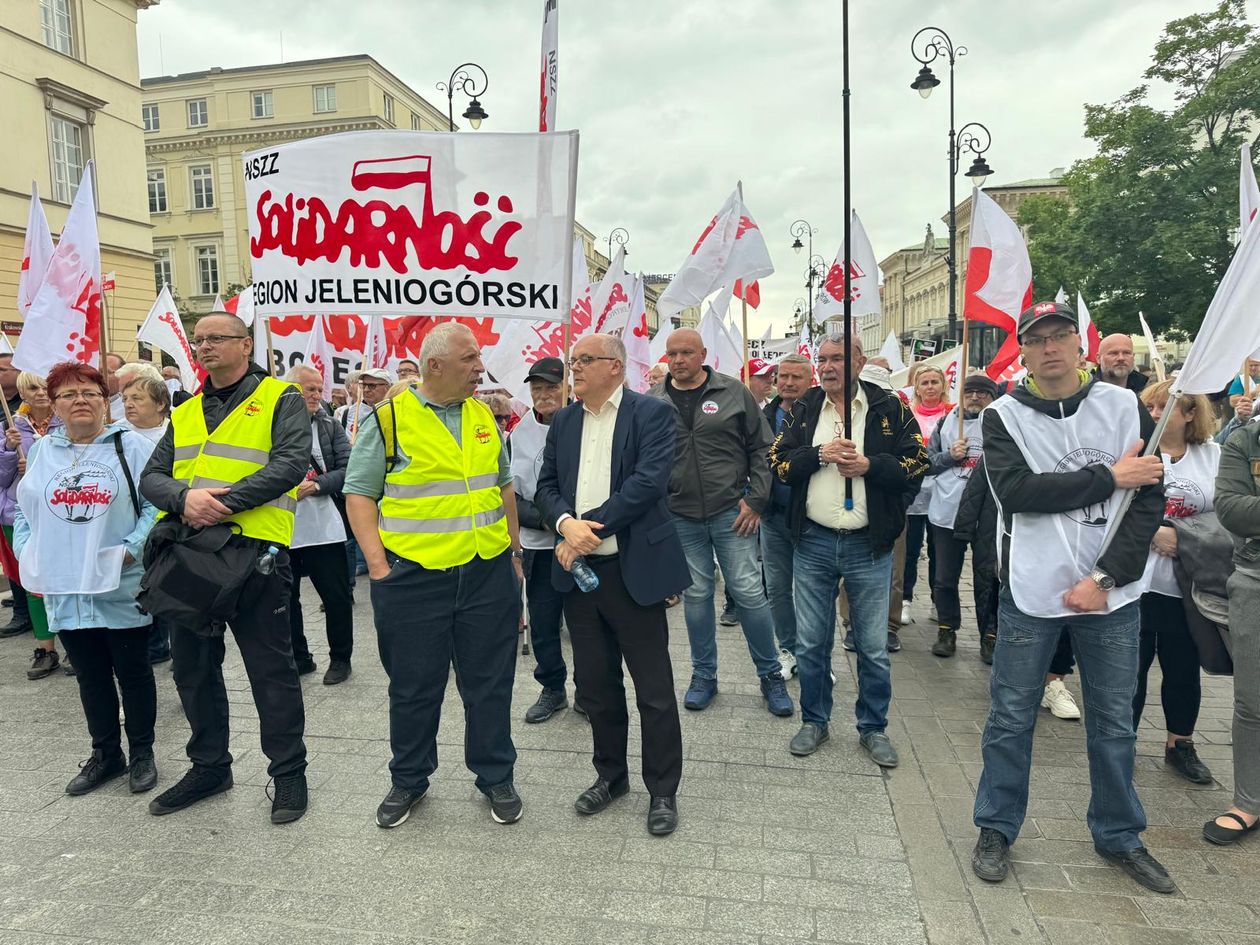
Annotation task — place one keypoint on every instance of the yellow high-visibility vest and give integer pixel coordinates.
(239, 446)
(445, 506)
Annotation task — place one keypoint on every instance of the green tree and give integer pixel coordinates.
(1150, 221)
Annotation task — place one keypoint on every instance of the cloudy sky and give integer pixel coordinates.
(678, 99)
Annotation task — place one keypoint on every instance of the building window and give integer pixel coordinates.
(67, 157)
(198, 113)
(202, 187)
(325, 98)
(54, 16)
(161, 268)
(207, 270)
(389, 108)
(415, 122)
(157, 190)
(262, 104)
(151, 119)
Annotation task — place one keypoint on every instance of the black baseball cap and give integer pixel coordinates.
(981, 384)
(547, 369)
(1042, 310)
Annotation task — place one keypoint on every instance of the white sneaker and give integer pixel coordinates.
(788, 662)
(1059, 701)
(905, 613)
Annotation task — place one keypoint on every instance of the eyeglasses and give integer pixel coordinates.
(502, 417)
(1039, 341)
(213, 341)
(586, 360)
(70, 396)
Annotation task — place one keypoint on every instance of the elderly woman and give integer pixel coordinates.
(78, 532)
(33, 421)
(147, 404)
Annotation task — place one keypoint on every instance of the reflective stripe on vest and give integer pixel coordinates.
(239, 447)
(444, 507)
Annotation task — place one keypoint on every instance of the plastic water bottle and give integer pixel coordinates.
(583, 575)
(267, 560)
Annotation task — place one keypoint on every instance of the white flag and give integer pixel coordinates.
(262, 353)
(730, 248)
(769, 332)
(638, 346)
(5, 346)
(375, 344)
(37, 252)
(1248, 192)
(862, 280)
(319, 355)
(611, 291)
(217, 305)
(547, 81)
(245, 305)
(656, 354)
(1230, 325)
(1157, 359)
(163, 330)
(891, 352)
(721, 352)
(1061, 296)
(64, 320)
(1087, 329)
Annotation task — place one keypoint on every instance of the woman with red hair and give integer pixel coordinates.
(78, 531)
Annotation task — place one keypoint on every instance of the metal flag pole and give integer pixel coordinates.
(744, 307)
(848, 257)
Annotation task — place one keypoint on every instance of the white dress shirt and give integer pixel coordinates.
(594, 479)
(824, 500)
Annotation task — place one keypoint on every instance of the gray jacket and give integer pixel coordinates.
(334, 446)
(1237, 500)
(722, 455)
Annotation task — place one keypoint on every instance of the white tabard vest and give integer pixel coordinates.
(1051, 552)
(529, 437)
(950, 485)
(1189, 488)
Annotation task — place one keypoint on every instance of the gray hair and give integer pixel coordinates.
(837, 338)
(437, 343)
(353, 377)
(133, 369)
(298, 370)
(155, 387)
(616, 348)
(794, 359)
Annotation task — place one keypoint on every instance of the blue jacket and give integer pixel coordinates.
(653, 565)
(117, 609)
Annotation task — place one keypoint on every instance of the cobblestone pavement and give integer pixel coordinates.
(771, 848)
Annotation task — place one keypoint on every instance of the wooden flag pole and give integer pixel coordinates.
(1246, 378)
(8, 416)
(104, 329)
(962, 373)
(271, 362)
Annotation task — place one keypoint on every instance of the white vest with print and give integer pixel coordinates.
(1051, 552)
(529, 437)
(1189, 488)
(950, 484)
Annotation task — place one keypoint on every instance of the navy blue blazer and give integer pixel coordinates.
(653, 565)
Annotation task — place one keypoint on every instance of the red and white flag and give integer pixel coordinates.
(1248, 191)
(730, 248)
(751, 294)
(163, 330)
(63, 322)
(319, 355)
(638, 345)
(862, 280)
(109, 282)
(547, 80)
(613, 292)
(999, 275)
(1089, 331)
(375, 343)
(721, 352)
(37, 252)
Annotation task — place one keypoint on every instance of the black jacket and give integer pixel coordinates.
(893, 444)
(976, 520)
(1018, 489)
(290, 449)
(334, 446)
(1136, 380)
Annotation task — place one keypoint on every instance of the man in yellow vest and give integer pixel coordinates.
(235, 453)
(429, 495)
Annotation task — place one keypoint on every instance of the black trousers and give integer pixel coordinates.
(261, 630)
(949, 561)
(1064, 658)
(606, 627)
(325, 565)
(427, 619)
(101, 656)
(917, 532)
(546, 606)
(1165, 632)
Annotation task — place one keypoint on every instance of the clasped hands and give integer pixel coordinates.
(846, 456)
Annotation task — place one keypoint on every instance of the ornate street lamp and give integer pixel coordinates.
(467, 83)
(621, 236)
(802, 229)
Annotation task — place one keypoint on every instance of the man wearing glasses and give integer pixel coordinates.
(1061, 454)
(235, 454)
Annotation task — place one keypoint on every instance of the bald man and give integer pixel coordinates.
(1115, 363)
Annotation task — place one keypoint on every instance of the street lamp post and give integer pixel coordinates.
(467, 83)
(799, 229)
(936, 43)
(621, 236)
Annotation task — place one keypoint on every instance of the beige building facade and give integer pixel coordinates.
(70, 87)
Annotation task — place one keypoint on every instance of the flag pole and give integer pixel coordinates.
(1246, 378)
(271, 362)
(747, 376)
(962, 372)
(848, 257)
(8, 416)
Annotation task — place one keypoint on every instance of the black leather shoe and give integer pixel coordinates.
(991, 859)
(1183, 759)
(506, 805)
(142, 775)
(1143, 868)
(662, 816)
(290, 801)
(550, 701)
(94, 772)
(397, 806)
(338, 672)
(988, 643)
(196, 785)
(808, 739)
(599, 795)
(305, 666)
(17, 626)
(946, 643)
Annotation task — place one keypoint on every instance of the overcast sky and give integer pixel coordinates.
(677, 99)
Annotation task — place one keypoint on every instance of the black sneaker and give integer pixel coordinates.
(196, 785)
(550, 701)
(1142, 868)
(305, 666)
(397, 806)
(988, 643)
(142, 775)
(338, 672)
(894, 642)
(44, 664)
(946, 643)
(96, 771)
(729, 618)
(289, 802)
(17, 626)
(849, 643)
(505, 803)
(1183, 759)
(991, 859)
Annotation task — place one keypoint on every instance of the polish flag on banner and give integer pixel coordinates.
(319, 355)
(999, 275)
(37, 252)
(638, 345)
(63, 322)
(1248, 191)
(1089, 331)
(730, 248)
(163, 330)
(547, 81)
(862, 280)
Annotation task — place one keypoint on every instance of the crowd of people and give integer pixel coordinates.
(140, 523)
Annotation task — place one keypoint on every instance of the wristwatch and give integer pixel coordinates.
(519, 553)
(1104, 580)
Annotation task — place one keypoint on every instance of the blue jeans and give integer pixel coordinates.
(823, 558)
(776, 560)
(737, 554)
(1106, 647)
